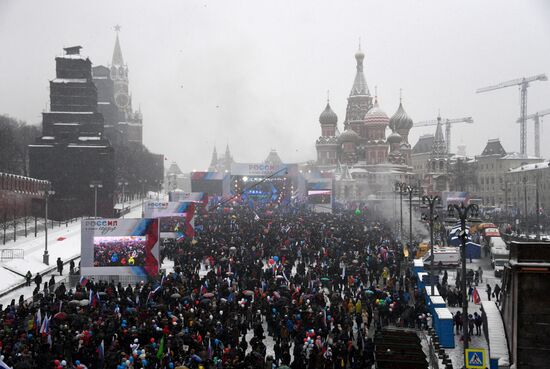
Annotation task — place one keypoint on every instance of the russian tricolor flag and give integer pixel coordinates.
(83, 281)
(3, 365)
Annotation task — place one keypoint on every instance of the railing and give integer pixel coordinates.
(10, 254)
(123, 279)
(26, 226)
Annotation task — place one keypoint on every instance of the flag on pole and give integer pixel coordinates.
(3, 365)
(83, 281)
(45, 325)
(160, 351)
(101, 350)
(477, 298)
(38, 320)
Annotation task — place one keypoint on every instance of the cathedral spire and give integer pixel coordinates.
(227, 152)
(359, 100)
(359, 84)
(117, 53)
(213, 161)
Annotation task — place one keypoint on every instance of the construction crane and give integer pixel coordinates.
(523, 83)
(536, 117)
(448, 123)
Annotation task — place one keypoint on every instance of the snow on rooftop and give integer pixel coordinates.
(517, 155)
(78, 146)
(72, 112)
(100, 77)
(73, 56)
(89, 138)
(498, 347)
(66, 124)
(443, 313)
(69, 80)
(48, 138)
(534, 166)
(103, 103)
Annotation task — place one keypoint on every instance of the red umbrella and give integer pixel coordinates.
(248, 293)
(208, 295)
(61, 316)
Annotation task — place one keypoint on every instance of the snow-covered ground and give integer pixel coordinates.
(63, 242)
(456, 354)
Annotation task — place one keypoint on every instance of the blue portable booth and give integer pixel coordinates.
(443, 325)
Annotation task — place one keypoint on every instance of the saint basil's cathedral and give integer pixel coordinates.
(363, 161)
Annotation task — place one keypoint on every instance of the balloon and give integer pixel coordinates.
(271, 261)
(276, 258)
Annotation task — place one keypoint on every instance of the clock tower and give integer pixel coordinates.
(119, 75)
(124, 126)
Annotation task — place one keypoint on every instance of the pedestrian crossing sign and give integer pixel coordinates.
(476, 358)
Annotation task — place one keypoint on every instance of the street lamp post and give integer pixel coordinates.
(506, 201)
(537, 204)
(399, 187)
(47, 193)
(464, 213)
(123, 184)
(142, 182)
(394, 209)
(430, 202)
(95, 186)
(405, 189)
(525, 204)
(410, 190)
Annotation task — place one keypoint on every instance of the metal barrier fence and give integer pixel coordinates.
(123, 279)
(10, 254)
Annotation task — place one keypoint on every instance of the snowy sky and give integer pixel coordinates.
(255, 74)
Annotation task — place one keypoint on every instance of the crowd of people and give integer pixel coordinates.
(119, 251)
(172, 224)
(284, 288)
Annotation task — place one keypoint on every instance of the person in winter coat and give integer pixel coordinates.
(497, 293)
(478, 322)
(488, 290)
(60, 266)
(38, 279)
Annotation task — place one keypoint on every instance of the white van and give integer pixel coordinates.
(447, 256)
(499, 256)
(497, 242)
(498, 265)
